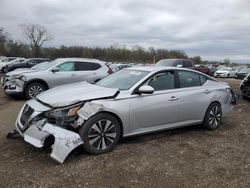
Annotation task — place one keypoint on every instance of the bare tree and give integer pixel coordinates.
(3, 41)
(36, 35)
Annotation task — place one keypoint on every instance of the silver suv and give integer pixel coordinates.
(31, 82)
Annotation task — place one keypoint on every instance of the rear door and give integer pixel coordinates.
(87, 71)
(194, 97)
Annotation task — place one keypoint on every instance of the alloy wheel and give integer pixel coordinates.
(102, 134)
(35, 90)
(215, 116)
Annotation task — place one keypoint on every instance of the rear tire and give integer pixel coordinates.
(100, 133)
(213, 116)
(33, 89)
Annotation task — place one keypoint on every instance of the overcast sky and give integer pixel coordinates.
(214, 29)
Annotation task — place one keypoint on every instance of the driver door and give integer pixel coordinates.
(65, 75)
(157, 109)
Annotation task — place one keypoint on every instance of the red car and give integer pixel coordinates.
(202, 68)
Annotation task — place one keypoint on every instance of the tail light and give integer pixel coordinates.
(110, 71)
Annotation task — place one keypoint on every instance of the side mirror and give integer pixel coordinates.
(179, 66)
(146, 90)
(55, 69)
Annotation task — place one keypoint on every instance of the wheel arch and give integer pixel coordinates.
(118, 119)
(212, 102)
(41, 81)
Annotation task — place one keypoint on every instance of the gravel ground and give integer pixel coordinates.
(185, 157)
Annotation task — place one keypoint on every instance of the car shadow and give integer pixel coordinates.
(149, 137)
(162, 134)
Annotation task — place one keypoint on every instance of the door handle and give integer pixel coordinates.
(173, 98)
(207, 91)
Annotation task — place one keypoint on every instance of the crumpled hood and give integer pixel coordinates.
(72, 93)
(21, 71)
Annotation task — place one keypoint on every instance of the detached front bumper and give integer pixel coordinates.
(36, 133)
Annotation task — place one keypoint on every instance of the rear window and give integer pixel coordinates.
(165, 62)
(187, 64)
(188, 79)
(86, 66)
(203, 79)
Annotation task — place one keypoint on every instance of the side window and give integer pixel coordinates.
(40, 60)
(203, 79)
(36, 61)
(188, 79)
(162, 81)
(119, 67)
(87, 66)
(66, 67)
(187, 64)
(32, 62)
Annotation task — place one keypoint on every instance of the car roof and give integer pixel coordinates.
(156, 68)
(81, 59)
(174, 59)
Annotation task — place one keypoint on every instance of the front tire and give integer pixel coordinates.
(33, 89)
(100, 133)
(213, 116)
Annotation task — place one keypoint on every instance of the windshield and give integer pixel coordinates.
(44, 65)
(122, 80)
(165, 62)
(246, 70)
(15, 61)
(112, 66)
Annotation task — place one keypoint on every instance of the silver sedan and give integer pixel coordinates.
(132, 101)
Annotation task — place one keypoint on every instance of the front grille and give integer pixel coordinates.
(27, 112)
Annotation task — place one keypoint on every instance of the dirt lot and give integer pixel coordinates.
(186, 157)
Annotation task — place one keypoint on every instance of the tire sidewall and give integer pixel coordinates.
(84, 130)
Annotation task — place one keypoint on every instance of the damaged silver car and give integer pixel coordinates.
(132, 101)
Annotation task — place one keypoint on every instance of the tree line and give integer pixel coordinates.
(36, 35)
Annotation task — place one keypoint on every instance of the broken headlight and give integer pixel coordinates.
(63, 116)
(19, 77)
(63, 112)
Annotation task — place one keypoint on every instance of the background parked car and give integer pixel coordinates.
(185, 63)
(226, 72)
(202, 68)
(242, 73)
(25, 64)
(213, 69)
(5, 61)
(46, 75)
(120, 66)
(245, 87)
